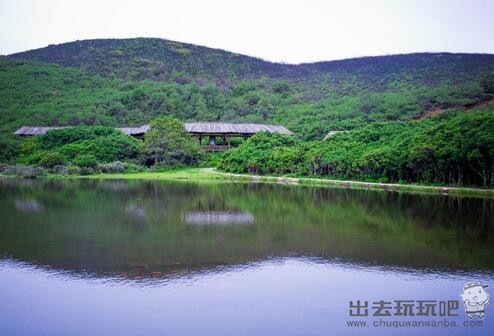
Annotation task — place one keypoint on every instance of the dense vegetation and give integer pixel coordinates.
(167, 143)
(156, 59)
(82, 146)
(453, 148)
(165, 60)
(134, 81)
(40, 94)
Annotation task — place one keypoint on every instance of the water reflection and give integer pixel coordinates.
(137, 211)
(135, 229)
(130, 257)
(281, 296)
(217, 217)
(217, 212)
(28, 205)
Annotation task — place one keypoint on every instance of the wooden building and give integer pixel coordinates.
(226, 131)
(199, 130)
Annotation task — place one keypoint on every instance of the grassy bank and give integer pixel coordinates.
(196, 174)
(210, 174)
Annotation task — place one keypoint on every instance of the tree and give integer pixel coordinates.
(487, 83)
(168, 143)
(281, 87)
(52, 159)
(9, 147)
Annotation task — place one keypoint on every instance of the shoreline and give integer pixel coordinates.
(211, 174)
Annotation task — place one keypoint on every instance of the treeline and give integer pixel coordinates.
(454, 148)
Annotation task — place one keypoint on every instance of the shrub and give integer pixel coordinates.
(116, 146)
(33, 158)
(9, 147)
(212, 159)
(59, 137)
(86, 161)
(263, 153)
(87, 170)
(74, 149)
(113, 167)
(118, 167)
(71, 170)
(66, 170)
(105, 143)
(24, 171)
(52, 159)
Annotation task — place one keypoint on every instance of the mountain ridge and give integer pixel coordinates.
(318, 62)
(165, 60)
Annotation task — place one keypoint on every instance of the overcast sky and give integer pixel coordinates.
(288, 31)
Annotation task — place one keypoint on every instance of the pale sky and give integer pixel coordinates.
(284, 31)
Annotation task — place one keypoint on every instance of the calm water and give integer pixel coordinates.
(162, 258)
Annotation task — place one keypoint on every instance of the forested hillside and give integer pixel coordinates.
(156, 59)
(165, 60)
(452, 148)
(209, 84)
(130, 82)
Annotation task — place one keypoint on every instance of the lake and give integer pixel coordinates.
(115, 257)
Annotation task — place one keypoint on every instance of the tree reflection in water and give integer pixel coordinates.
(138, 229)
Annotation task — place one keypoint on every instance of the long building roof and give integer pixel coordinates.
(134, 130)
(229, 128)
(28, 130)
(217, 128)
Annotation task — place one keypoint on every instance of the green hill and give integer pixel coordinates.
(164, 60)
(156, 59)
(132, 81)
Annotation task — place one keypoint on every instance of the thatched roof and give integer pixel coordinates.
(229, 128)
(134, 130)
(214, 128)
(217, 128)
(27, 130)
